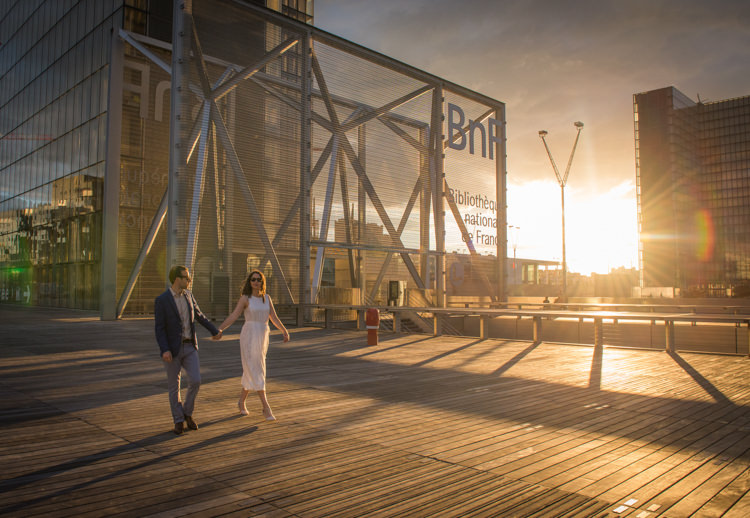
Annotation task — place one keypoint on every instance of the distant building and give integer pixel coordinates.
(619, 282)
(533, 271)
(693, 184)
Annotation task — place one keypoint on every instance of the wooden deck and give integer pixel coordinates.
(416, 426)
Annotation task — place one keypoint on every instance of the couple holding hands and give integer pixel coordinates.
(175, 314)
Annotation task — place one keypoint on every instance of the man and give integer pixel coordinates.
(175, 313)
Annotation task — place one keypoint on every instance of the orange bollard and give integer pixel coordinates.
(372, 323)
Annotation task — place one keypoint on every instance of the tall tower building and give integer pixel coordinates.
(693, 179)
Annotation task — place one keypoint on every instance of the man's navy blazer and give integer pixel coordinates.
(169, 325)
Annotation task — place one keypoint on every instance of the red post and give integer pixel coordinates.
(372, 323)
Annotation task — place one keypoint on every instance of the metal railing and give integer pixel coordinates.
(715, 329)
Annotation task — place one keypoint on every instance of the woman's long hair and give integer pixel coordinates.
(248, 290)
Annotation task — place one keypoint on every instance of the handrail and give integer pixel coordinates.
(598, 316)
(694, 308)
(554, 311)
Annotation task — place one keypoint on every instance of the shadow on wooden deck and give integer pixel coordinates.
(416, 426)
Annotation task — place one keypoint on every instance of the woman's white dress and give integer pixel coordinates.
(254, 343)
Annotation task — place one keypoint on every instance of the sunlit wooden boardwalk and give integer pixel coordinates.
(416, 426)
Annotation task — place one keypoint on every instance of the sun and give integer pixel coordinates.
(603, 231)
(601, 228)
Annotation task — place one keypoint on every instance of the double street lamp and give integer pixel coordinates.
(562, 180)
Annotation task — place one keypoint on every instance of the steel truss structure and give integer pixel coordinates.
(210, 181)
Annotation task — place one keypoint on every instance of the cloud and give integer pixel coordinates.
(555, 62)
(543, 54)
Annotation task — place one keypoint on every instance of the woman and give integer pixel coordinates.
(258, 309)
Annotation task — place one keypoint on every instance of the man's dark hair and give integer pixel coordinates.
(175, 272)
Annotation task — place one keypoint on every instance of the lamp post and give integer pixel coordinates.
(514, 242)
(562, 180)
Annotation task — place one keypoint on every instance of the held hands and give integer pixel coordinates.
(217, 336)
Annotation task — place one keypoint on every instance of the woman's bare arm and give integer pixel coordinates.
(241, 305)
(273, 317)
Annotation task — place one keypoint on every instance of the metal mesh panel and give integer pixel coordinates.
(321, 168)
(471, 220)
(470, 175)
(243, 173)
(385, 117)
(394, 151)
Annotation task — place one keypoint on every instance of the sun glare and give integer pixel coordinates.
(601, 229)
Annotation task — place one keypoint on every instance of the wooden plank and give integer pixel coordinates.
(656, 481)
(566, 459)
(704, 499)
(429, 500)
(675, 500)
(729, 495)
(495, 500)
(740, 509)
(638, 467)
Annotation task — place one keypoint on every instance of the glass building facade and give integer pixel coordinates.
(251, 140)
(693, 173)
(53, 122)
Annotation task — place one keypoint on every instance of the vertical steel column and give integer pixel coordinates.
(180, 53)
(305, 296)
(501, 174)
(424, 211)
(361, 215)
(438, 198)
(225, 240)
(111, 203)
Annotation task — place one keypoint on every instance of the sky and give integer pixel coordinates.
(555, 62)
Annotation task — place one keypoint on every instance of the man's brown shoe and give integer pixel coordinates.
(179, 428)
(190, 423)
